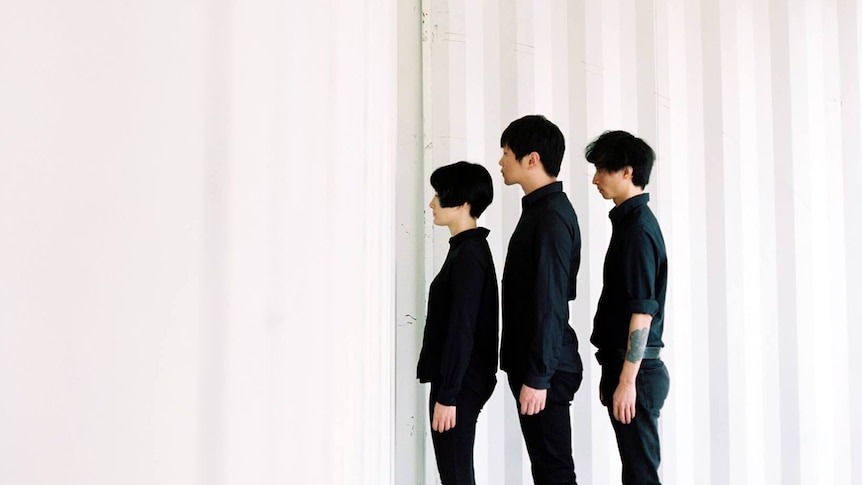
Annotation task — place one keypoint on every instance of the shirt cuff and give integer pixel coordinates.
(447, 397)
(649, 307)
(537, 382)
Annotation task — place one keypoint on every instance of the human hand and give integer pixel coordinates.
(532, 400)
(624, 402)
(444, 418)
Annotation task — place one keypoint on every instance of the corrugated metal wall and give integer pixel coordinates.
(753, 109)
(213, 210)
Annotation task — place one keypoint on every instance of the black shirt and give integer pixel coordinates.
(460, 344)
(538, 282)
(635, 276)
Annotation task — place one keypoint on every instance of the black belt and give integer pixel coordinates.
(619, 355)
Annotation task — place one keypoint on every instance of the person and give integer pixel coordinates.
(459, 349)
(629, 320)
(539, 350)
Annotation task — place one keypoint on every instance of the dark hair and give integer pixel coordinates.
(463, 182)
(615, 150)
(534, 133)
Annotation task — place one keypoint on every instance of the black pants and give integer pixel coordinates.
(638, 441)
(548, 435)
(454, 448)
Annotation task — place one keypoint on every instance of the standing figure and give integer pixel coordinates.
(459, 349)
(629, 321)
(539, 349)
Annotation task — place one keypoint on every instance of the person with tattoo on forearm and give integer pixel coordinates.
(629, 321)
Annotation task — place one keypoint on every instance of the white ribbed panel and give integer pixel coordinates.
(309, 347)
(197, 260)
(753, 109)
(102, 186)
(849, 52)
(410, 399)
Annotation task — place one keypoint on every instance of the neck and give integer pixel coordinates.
(632, 192)
(461, 225)
(530, 186)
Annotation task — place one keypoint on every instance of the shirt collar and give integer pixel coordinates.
(619, 212)
(541, 192)
(475, 233)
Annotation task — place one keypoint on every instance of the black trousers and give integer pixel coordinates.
(638, 441)
(548, 435)
(453, 449)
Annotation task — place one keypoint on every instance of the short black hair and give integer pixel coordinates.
(534, 133)
(615, 150)
(463, 182)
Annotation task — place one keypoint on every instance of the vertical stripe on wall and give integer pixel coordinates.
(307, 387)
(410, 241)
(849, 22)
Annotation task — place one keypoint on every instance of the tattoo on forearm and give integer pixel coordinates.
(637, 345)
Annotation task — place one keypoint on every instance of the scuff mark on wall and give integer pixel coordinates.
(410, 320)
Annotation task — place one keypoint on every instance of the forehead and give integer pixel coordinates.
(605, 171)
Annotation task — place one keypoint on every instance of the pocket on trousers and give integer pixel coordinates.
(563, 387)
(653, 384)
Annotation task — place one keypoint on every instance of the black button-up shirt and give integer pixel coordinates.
(538, 281)
(635, 276)
(459, 348)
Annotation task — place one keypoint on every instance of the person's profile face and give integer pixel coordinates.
(442, 216)
(512, 169)
(610, 184)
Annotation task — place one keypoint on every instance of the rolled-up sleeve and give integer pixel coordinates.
(640, 264)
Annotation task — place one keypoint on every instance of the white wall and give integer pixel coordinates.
(214, 256)
(753, 108)
(102, 183)
(196, 271)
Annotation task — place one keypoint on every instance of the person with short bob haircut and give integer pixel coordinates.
(463, 182)
(629, 320)
(539, 348)
(459, 347)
